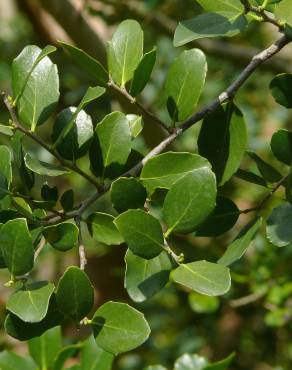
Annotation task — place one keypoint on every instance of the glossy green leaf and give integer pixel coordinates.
(187, 73)
(190, 201)
(281, 145)
(125, 51)
(223, 140)
(190, 362)
(283, 11)
(102, 228)
(203, 277)
(6, 163)
(16, 246)
(119, 328)
(200, 303)
(22, 330)
(35, 84)
(268, 172)
(136, 124)
(163, 170)
(87, 63)
(42, 168)
(67, 200)
(222, 219)
(75, 294)
(63, 236)
(240, 244)
(31, 303)
(219, 24)
(95, 358)
(281, 89)
(45, 348)
(144, 278)
(279, 225)
(77, 140)
(143, 72)
(11, 361)
(127, 193)
(112, 150)
(142, 233)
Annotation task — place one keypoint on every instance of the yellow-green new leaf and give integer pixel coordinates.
(125, 51)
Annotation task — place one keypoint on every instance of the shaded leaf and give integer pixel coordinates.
(102, 228)
(251, 177)
(143, 72)
(42, 168)
(63, 236)
(281, 89)
(281, 145)
(268, 172)
(279, 225)
(67, 200)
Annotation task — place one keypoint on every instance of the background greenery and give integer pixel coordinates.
(258, 328)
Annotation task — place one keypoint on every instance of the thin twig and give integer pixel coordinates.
(82, 255)
(251, 298)
(40, 247)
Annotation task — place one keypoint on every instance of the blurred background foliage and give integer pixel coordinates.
(255, 318)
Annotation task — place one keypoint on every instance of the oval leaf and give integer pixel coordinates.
(142, 233)
(119, 328)
(63, 236)
(187, 73)
(102, 228)
(42, 168)
(75, 295)
(279, 225)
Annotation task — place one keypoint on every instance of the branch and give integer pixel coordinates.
(35, 138)
(82, 256)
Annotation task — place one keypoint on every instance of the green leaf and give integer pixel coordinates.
(22, 330)
(240, 244)
(281, 145)
(44, 349)
(63, 236)
(136, 124)
(64, 354)
(125, 51)
(6, 130)
(251, 177)
(190, 362)
(3, 186)
(42, 168)
(203, 277)
(187, 73)
(223, 140)
(102, 228)
(279, 225)
(222, 6)
(11, 361)
(281, 89)
(189, 201)
(35, 84)
(49, 194)
(119, 328)
(142, 233)
(222, 219)
(163, 170)
(31, 303)
(111, 152)
(75, 294)
(221, 365)
(16, 246)
(143, 72)
(283, 11)
(268, 172)
(87, 63)
(219, 24)
(6, 163)
(127, 193)
(200, 303)
(67, 200)
(79, 132)
(95, 358)
(144, 278)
